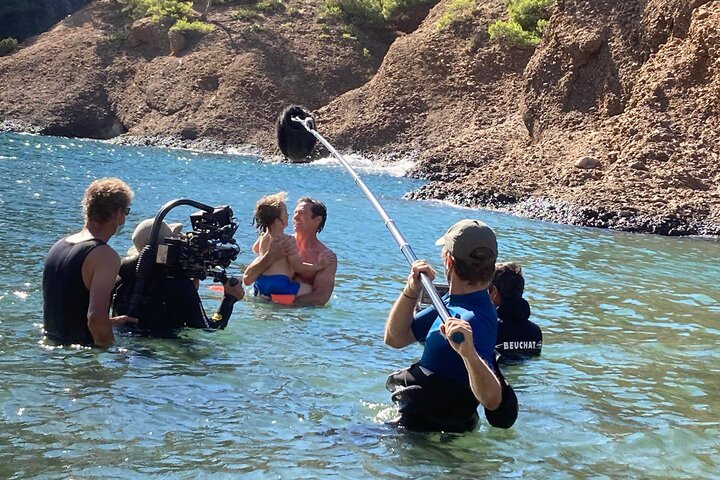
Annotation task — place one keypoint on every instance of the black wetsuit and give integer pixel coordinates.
(168, 303)
(517, 336)
(65, 297)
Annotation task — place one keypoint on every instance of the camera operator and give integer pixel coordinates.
(169, 302)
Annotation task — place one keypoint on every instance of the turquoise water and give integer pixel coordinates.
(627, 385)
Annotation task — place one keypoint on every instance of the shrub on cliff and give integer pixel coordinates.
(456, 10)
(7, 46)
(185, 26)
(158, 9)
(391, 7)
(355, 12)
(372, 13)
(527, 21)
(180, 12)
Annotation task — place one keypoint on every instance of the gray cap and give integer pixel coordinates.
(467, 235)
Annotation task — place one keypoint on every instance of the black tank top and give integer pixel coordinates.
(65, 297)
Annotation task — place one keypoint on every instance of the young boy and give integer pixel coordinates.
(517, 336)
(270, 218)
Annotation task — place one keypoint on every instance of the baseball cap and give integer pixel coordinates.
(141, 235)
(467, 235)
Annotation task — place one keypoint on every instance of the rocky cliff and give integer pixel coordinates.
(614, 121)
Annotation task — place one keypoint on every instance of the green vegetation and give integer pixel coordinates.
(245, 14)
(185, 26)
(7, 46)
(390, 7)
(269, 5)
(528, 19)
(258, 10)
(159, 10)
(372, 13)
(114, 38)
(456, 10)
(179, 12)
(354, 12)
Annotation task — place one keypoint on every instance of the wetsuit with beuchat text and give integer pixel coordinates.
(517, 336)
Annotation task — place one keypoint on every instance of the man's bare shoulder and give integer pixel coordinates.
(324, 248)
(103, 254)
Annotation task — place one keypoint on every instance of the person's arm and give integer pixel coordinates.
(483, 382)
(323, 284)
(398, 327)
(276, 250)
(99, 272)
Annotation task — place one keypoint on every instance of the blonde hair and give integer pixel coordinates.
(104, 197)
(267, 210)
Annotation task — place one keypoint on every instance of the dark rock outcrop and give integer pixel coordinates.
(21, 19)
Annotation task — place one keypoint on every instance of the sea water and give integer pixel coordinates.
(626, 387)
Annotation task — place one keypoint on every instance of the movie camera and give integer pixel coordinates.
(208, 249)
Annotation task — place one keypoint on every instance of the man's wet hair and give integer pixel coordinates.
(267, 210)
(509, 281)
(480, 272)
(104, 197)
(317, 209)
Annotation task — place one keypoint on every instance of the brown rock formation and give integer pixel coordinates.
(614, 121)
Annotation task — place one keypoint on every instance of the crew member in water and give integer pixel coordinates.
(517, 337)
(442, 391)
(168, 302)
(309, 220)
(80, 270)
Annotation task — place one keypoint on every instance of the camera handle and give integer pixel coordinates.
(146, 260)
(222, 315)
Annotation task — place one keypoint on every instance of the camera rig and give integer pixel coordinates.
(206, 250)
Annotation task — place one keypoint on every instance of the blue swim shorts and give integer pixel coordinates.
(275, 284)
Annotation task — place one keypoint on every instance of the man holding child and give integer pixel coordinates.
(308, 220)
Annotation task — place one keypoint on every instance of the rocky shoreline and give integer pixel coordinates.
(205, 145)
(611, 122)
(569, 213)
(536, 208)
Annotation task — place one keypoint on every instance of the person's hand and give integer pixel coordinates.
(279, 248)
(453, 326)
(122, 320)
(414, 285)
(326, 258)
(236, 290)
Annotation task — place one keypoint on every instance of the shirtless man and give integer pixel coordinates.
(308, 220)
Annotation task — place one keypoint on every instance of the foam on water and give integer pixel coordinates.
(398, 168)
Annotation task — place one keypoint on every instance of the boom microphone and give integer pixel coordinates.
(293, 139)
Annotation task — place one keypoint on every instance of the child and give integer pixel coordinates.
(270, 218)
(517, 336)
